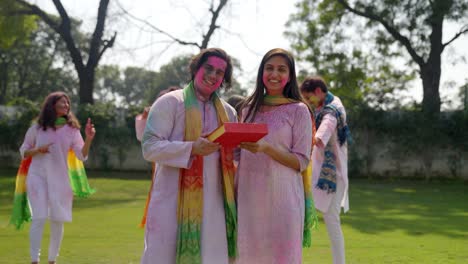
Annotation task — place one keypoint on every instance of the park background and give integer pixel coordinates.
(399, 67)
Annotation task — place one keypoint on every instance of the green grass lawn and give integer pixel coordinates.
(389, 222)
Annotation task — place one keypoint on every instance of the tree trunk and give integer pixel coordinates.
(3, 81)
(430, 75)
(431, 69)
(86, 77)
(97, 45)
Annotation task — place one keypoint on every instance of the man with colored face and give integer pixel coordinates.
(329, 160)
(190, 216)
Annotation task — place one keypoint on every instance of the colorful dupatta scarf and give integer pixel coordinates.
(77, 174)
(327, 178)
(21, 213)
(78, 182)
(148, 197)
(190, 200)
(310, 214)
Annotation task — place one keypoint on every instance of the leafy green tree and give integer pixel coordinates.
(137, 83)
(108, 83)
(137, 87)
(85, 58)
(405, 29)
(128, 87)
(33, 68)
(13, 29)
(174, 73)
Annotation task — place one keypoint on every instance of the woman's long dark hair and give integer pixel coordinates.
(48, 115)
(291, 90)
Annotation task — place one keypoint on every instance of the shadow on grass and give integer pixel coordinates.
(93, 202)
(417, 208)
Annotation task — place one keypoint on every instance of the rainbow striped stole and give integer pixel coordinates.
(21, 212)
(310, 214)
(148, 197)
(78, 182)
(190, 200)
(78, 179)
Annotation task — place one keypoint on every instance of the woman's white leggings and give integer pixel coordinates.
(35, 237)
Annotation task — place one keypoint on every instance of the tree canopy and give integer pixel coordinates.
(330, 33)
(85, 59)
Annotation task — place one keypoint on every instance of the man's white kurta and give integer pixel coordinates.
(163, 143)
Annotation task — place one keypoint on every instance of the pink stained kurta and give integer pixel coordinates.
(48, 184)
(270, 195)
(163, 143)
(327, 132)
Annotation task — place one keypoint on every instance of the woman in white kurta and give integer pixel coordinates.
(270, 191)
(331, 198)
(163, 143)
(48, 186)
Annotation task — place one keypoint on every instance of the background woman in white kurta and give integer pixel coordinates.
(140, 124)
(49, 193)
(163, 143)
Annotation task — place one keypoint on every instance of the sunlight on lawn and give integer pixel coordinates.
(389, 222)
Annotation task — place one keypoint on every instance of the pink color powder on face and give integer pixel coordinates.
(283, 82)
(274, 90)
(211, 76)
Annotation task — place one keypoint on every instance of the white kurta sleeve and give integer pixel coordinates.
(302, 136)
(157, 144)
(29, 140)
(326, 129)
(77, 144)
(140, 124)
